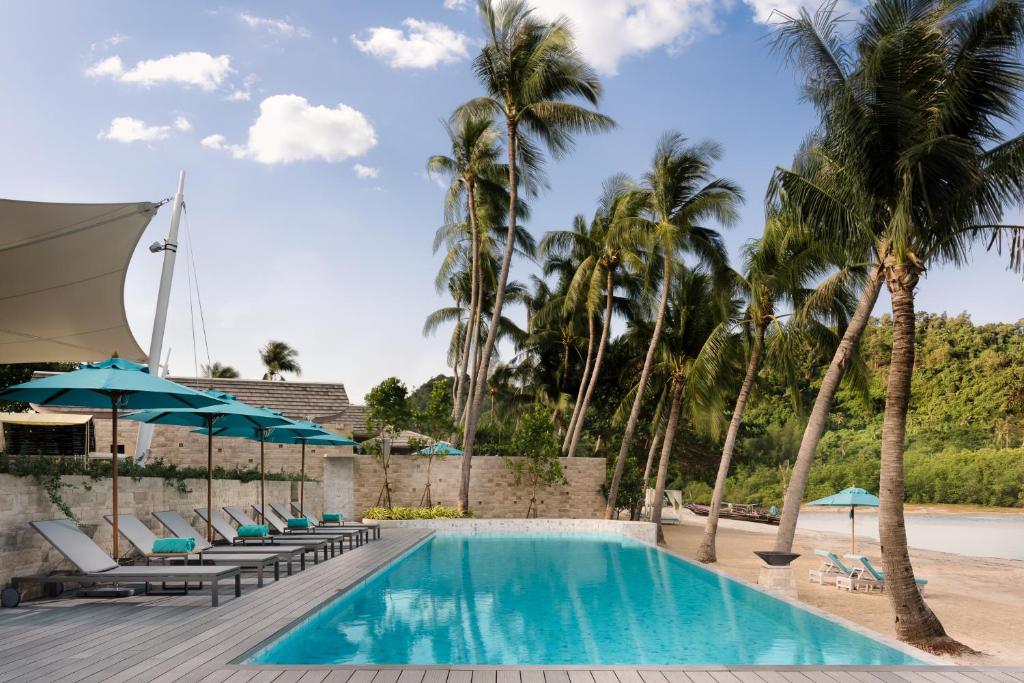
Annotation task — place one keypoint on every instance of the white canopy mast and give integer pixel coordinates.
(156, 341)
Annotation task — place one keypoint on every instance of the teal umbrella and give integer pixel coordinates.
(853, 498)
(294, 432)
(440, 448)
(228, 413)
(115, 383)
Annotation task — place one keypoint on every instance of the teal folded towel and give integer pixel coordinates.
(332, 516)
(253, 530)
(174, 545)
(298, 523)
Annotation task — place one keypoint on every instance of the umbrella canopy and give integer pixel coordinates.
(440, 448)
(227, 413)
(294, 432)
(115, 383)
(852, 498)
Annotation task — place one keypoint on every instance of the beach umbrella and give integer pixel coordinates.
(227, 413)
(852, 498)
(440, 448)
(115, 383)
(293, 432)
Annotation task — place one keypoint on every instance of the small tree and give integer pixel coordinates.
(536, 464)
(435, 420)
(388, 414)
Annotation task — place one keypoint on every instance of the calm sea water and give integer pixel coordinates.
(545, 599)
(977, 535)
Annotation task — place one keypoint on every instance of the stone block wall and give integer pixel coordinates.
(24, 552)
(492, 493)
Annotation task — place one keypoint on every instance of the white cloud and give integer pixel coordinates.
(198, 69)
(609, 30)
(278, 26)
(106, 44)
(456, 4)
(366, 171)
(422, 45)
(128, 129)
(768, 11)
(290, 129)
(182, 124)
(243, 93)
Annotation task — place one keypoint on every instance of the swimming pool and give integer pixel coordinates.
(562, 599)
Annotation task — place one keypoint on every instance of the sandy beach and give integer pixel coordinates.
(979, 600)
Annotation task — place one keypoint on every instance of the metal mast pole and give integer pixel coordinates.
(156, 341)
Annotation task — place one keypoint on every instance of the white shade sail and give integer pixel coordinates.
(62, 272)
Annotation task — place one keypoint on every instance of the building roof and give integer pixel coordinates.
(352, 416)
(297, 400)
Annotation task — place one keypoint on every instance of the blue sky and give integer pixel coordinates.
(304, 129)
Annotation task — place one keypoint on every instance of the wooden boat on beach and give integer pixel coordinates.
(744, 513)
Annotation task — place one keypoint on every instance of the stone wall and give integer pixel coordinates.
(180, 446)
(24, 552)
(641, 531)
(492, 493)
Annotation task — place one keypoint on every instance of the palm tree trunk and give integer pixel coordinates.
(666, 453)
(656, 437)
(583, 382)
(634, 413)
(915, 621)
(474, 295)
(706, 552)
(492, 332)
(477, 350)
(577, 430)
(822, 407)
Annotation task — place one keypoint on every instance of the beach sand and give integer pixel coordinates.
(980, 601)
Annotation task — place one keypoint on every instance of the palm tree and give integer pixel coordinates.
(529, 69)
(913, 119)
(675, 198)
(278, 358)
(693, 351)
(220, 371)
(778, 269)
(475, 153)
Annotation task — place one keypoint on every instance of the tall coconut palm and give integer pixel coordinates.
(474, 160)
(913, 119)
(778, 270)
(220, 370)
(530, 70)
(693, 353)
(673, 203)
(279, 358)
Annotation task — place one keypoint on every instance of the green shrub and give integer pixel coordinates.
(399, 512)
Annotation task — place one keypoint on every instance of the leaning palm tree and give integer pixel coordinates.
(694, 352)
(530, 70)
(673, 203)
(474, 161)
(913, 120)
(778, 270)
(220, 371)
(279, 358)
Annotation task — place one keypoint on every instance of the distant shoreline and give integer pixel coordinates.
(927, 509)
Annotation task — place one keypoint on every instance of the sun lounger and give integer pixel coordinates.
(224, 529)
(831, 569)
(277, 521)
(240, 518)
(94, 565)
(869, 578)
(180, 528)
(372, 530)
(280, 527)
(143, 539)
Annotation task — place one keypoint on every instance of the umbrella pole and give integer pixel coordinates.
(113, 473)
(209, 480)
(853, 530)
(302, 481)
(263, 481)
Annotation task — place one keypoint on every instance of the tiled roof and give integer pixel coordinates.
(297, 400)
(352, 416)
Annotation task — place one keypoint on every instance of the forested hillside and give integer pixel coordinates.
(965, 429)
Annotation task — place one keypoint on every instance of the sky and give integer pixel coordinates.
(304, 129)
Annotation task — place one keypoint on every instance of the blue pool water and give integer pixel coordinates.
(562, 599)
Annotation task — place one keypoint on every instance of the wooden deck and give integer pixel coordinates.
(176, 638)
